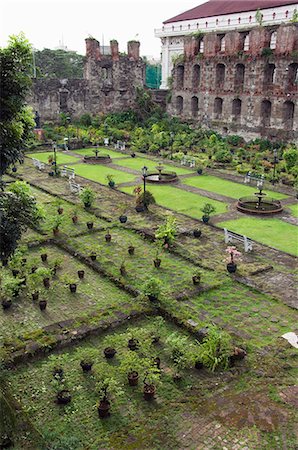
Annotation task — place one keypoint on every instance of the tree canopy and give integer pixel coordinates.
(58, 64)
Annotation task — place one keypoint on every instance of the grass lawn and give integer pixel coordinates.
(181, 201)
(294, 209)
(61, 157)
(273, 232)
(102, 150)
(98, 172)
(225, 187)
(138, 163)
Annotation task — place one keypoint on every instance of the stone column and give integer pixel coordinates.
(165, 63)
(133, 50)
(114, 50)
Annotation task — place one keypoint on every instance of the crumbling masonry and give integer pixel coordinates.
(242, 82)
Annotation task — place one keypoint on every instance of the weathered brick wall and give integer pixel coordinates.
(109, 84)
(267, 78)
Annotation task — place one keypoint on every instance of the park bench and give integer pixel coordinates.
(230, 236)
(38, 164)
(188, 162)
(66, 172)
(119, 145)
(75, 188)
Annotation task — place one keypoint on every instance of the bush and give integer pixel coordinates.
(216, 349)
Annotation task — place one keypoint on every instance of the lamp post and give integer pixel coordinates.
(172, 142)
(55, 158)
(275, 161)
(144, 173)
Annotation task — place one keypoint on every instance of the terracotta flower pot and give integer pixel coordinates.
(55, 231)
(108, 237)
(89, 225)
(63, 397)
(197, 233)
(42, 304)
(60, 210)
(35, 296)
(74, 219)
(93, 257)
(86, 366)
(81, 274)
(231, 267)
(196, 279)
(133, 378)
(131, 250)
(44, 257)
(123, 218)
(15, 272)
(104, 409)
(46, 283)
(109, 352)
(149, 392)
(73, 288)
(133, 344)
(6, 303)
(157, 262)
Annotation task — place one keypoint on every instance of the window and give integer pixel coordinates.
(250, 19)
(179, 104)
(189, 26)
(236, 107)
(180, 76)
(216, 21)
(292, 80)
(269, 75)
(239, 20)
(287, 14)
(246, 43)
(273, 16)
(201, 46)
(229, 21)
(220, 75)
(273, 40)
(206, 24)
(222, 44)
(218, 102)
(196, 75)
(194, 106)
(265, 113)
(197, 26)
(239, 76)
(288, 114)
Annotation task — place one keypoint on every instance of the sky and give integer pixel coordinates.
(48, 22)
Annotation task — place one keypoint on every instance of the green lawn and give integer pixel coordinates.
(61, 157)
(138, 163)
(181, 201)
(98, 172)
(102, 150)
(294, 209)
(273, 232)
(225, 187)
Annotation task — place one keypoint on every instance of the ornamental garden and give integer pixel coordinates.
(129, 318)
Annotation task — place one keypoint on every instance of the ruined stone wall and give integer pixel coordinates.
(242, 82)
(109, 84)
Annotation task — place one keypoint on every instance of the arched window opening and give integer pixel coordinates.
(222, 43)
(288, 114)
(273, 16)
(250, 19)
(194, 106)
(229, 21)
(273, 40)
(287, 14)
(216, 21)
(201, 46)
(266, 113)
(292, 76)
(246, 43)
(269, 75)
(239, 76)
(218, 102)
(196, 76)
(239, 20)
(220, 75)
(179, 104)
(236, 107)
(180, 76)
(206, 24)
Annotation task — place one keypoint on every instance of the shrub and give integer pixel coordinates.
(216, 349)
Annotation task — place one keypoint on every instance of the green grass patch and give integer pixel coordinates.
(61, 157)
(181, 201)
(225, 187)
(98, 172)
(102, 150)
(294, 209)
(138, 163)
(273, 232)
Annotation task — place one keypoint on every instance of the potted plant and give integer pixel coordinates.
(42, 304)
(207, 210)
(88, 357)
(74, 215)
(130, 366)
(123, 271)
(34, 262)
(151, 379)
(81, 274)
(58, 203)
(108, 236)
(158, 249)
(199, 169)
(196, 279)
(45, 274)
(167, 232)
(90, 225)
(146, 199)
(109, 352)
(9, 287)
(43, 255)
(107, 388)
(152, 288)
(234, 256)
(93, 256)
(123, 216)
(87, 195)
(71, 282)
(34, 284)
(197, 233)
(56, 264)
(156, 325)
(216, 349)
(110, 180)
(139, 203)
(131, 249)
(63, 396)
(56, 222)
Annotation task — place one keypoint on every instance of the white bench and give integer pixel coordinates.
(75, 188)
(230, 236)
(38, 164)
(66, 172)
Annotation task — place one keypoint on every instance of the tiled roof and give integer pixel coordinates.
(222, 7)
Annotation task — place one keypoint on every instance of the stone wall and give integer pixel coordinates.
(109, 84)
(243, 82)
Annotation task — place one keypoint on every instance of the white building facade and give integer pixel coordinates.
(173, 31)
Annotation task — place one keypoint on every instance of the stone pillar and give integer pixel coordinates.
(211, 44)
(165, 63)
(93, 49)
(191, 47)
(114, 50)
(286, 39)
(133, 50)
(259, 38)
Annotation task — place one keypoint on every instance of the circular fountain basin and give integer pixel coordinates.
(162, 177)
(250, 205)
(99, 159)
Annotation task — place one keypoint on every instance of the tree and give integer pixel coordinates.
(59, 64)
(16, 120)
